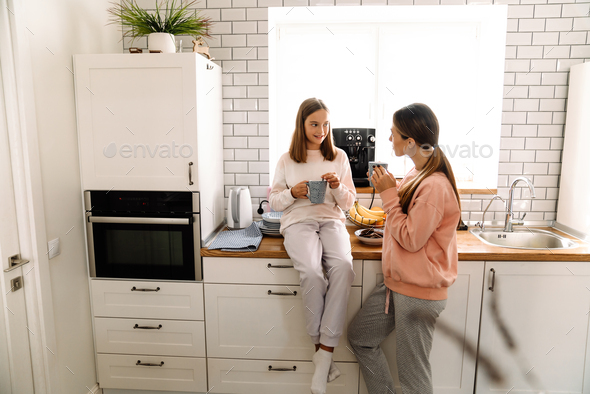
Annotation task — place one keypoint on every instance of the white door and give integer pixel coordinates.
(453, 367)
(16, 376)
(544, 308)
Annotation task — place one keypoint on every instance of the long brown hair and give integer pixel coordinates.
(417, 121)
(298, 148)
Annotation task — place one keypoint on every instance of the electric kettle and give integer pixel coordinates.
(239, 208)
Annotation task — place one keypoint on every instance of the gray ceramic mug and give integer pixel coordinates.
(375, 163)
(317, 191)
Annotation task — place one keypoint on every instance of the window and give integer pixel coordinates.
(367, 62)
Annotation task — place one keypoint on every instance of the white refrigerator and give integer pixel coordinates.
(573, 209)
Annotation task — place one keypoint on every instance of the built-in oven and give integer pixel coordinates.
(143, 234)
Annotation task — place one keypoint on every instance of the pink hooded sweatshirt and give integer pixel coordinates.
(420, 248)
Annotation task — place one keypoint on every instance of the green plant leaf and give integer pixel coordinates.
(169, 17)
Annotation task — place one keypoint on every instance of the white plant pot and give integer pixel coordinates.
(161, 42)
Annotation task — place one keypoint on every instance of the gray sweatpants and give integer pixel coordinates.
(413, 320)
(314, 247)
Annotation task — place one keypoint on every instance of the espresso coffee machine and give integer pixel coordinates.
(359, 145)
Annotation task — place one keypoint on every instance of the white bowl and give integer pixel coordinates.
(369, 241)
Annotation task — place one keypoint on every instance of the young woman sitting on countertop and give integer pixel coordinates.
(316, 238)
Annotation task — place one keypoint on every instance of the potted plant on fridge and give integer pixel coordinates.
(170, 18)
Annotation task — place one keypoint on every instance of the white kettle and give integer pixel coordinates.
(239, 208)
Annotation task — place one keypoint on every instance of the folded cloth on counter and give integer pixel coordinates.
(245, 240)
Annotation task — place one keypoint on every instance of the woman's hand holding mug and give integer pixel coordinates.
(300, 190)
(332, 179)
(382, 180)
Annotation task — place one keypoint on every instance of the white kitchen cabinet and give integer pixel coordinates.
(262, 377)
(145, 299)
(254, 318)
(147, 336)
(152, 122)
(265, 322)
(149, 322)
(143, 118)
(182, 374)
(453, 368)
(544, 306)
(259, 271)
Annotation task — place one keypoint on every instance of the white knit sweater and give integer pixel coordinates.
(289, 173)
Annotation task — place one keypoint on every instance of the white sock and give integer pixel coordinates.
(322, 360)
(334, 372)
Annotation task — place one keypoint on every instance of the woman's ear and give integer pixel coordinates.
(410, 148)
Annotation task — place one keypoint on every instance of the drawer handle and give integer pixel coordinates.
(493, 278)
(147, 327)
(278, 266)
(270, 368)
(283, 294)
(149, 364)
(136, 289)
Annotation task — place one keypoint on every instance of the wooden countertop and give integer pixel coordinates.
(470, 249)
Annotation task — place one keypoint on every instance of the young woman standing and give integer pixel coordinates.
(316, 238)
(419, 258)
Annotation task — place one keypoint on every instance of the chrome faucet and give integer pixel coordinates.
(510, 220)
(482, 224)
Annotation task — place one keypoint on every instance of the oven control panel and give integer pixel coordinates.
(138, 203)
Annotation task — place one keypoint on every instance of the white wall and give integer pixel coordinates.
(544, 38)
(59, 29)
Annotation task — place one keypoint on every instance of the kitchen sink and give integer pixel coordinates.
(523, 239)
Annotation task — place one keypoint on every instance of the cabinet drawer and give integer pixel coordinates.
(244, 321)
(138, 336)
(176, 374)
(259, 271)
(254, 377)
(172, 300)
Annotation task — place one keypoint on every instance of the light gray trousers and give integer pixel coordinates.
(413, 320)
(314, 247)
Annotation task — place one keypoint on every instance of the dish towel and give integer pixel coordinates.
(245, 240)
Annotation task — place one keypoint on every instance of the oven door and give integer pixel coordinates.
(141, 248)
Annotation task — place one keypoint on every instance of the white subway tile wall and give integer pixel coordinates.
(544, 39)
